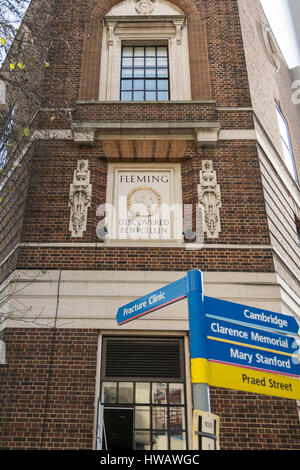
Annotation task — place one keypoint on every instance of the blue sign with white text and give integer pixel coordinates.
(252, 336)
(243, 314)
(232, 354)
(153, 301)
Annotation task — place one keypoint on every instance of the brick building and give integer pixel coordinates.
(180, 104)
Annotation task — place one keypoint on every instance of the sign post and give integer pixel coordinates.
(198, 341)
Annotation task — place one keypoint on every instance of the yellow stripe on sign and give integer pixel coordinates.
(247, 380)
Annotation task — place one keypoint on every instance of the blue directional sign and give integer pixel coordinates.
(243, 314)
(153, 301)
(233, 332)
(225, 334)
(247, 357)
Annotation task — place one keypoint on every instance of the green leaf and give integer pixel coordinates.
(26, 131)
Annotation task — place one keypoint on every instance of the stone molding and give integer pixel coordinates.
(205, 133)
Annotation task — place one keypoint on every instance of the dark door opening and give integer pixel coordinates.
(118, 428)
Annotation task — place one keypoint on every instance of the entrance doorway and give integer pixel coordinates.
(118, 428)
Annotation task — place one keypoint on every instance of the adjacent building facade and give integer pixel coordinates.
(167, 140)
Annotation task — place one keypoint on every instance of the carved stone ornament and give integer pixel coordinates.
(144, 7)
(80, 199)
(271, 46)
(143, 201)
(209, 196)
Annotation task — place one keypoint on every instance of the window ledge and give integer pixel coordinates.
(80, 102)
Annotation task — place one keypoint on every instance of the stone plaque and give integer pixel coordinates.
(144, 205)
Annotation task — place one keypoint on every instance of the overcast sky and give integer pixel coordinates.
(279, 17)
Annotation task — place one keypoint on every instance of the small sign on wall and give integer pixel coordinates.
(205, 431)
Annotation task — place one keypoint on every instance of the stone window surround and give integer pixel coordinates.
(131, 30)
(198, 53)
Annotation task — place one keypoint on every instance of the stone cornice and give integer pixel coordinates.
(205, 133)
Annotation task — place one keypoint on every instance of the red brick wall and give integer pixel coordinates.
(200, 79)
(243, 218)
(255, 422)
(215, 46)
(49, 384)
